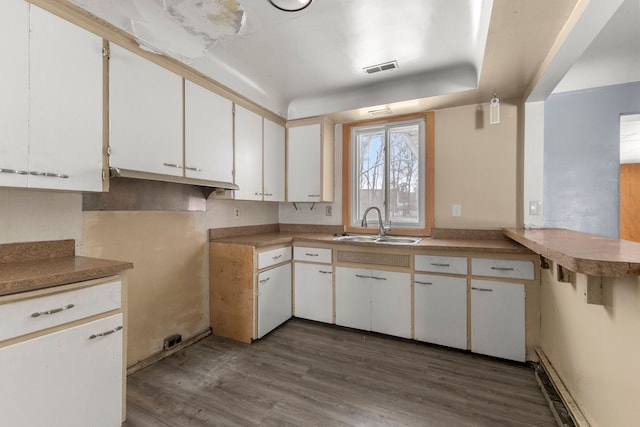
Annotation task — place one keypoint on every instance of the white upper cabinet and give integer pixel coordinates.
(310, 167)
(248, 151)
(145, 115)
(51, 104)
(208, 134)
(14, 87)
(304, 164)
(273, 162)
(65, 141)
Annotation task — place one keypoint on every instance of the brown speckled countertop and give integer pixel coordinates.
(581, 252)
(37, 265)
(260, 238)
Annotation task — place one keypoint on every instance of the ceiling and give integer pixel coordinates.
(613, 57)
(308, 63)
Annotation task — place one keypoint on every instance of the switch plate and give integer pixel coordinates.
(535, 207)
(236, 212)
(328, 211)
(456, 210)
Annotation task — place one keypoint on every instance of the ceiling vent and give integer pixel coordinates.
(391, 65)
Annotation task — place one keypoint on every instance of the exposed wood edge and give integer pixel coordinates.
(568, 401)
(141, 364)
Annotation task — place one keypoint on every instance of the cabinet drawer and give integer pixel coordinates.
(273, 257)
(321, 255)
(508, 268)
(441, 264)
(30, 315)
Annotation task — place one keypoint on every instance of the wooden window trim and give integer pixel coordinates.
(429, 173)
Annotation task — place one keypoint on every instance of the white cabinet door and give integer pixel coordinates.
(65, 105)
(497, 319)
(273, 162)
(353, 298)
(440, 310)
(145, 115)
(14, 87)
(313, 292)
(274, 298)
(208, 132)
(248, 154)
(391, 303)
(304, 166)
(65, 378)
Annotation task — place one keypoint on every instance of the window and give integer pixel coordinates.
(389, 165)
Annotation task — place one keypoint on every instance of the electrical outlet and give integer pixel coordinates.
(328, 211)
(236, 212)
(456, 210)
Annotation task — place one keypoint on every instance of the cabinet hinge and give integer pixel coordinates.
(104, 175)
(108, 151)
(233, 109)
(106, 52)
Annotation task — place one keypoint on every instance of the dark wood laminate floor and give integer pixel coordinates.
(309, 374)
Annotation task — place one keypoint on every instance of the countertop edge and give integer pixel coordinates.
(64, 276)
(282, 238)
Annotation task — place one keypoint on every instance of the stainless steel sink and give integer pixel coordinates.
(356, 238)
(389, 240)
(393, 240)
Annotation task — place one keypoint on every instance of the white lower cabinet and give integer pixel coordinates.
(440, 310)
(274, 298)
(313, 298)
(374, 300)
(72, 377)
(498, 319)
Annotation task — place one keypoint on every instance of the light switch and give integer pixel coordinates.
(535, 207)
(456, 210)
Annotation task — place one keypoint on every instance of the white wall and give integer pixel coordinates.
(29, 215)
(533, 162)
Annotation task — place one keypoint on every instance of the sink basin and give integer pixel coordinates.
(393, 240)
(389, 240)
(370, 239)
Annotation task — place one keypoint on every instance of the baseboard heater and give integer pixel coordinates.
(564, 408)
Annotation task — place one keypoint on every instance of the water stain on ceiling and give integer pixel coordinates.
(181, 29)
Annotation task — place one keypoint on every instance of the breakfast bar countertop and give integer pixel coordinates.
(581, 252)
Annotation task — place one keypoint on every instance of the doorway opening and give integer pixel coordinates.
(630, 177)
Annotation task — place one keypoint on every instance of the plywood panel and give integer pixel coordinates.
(231, 290)
(630, 201)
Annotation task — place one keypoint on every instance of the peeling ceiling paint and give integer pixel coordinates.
(182, 29)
